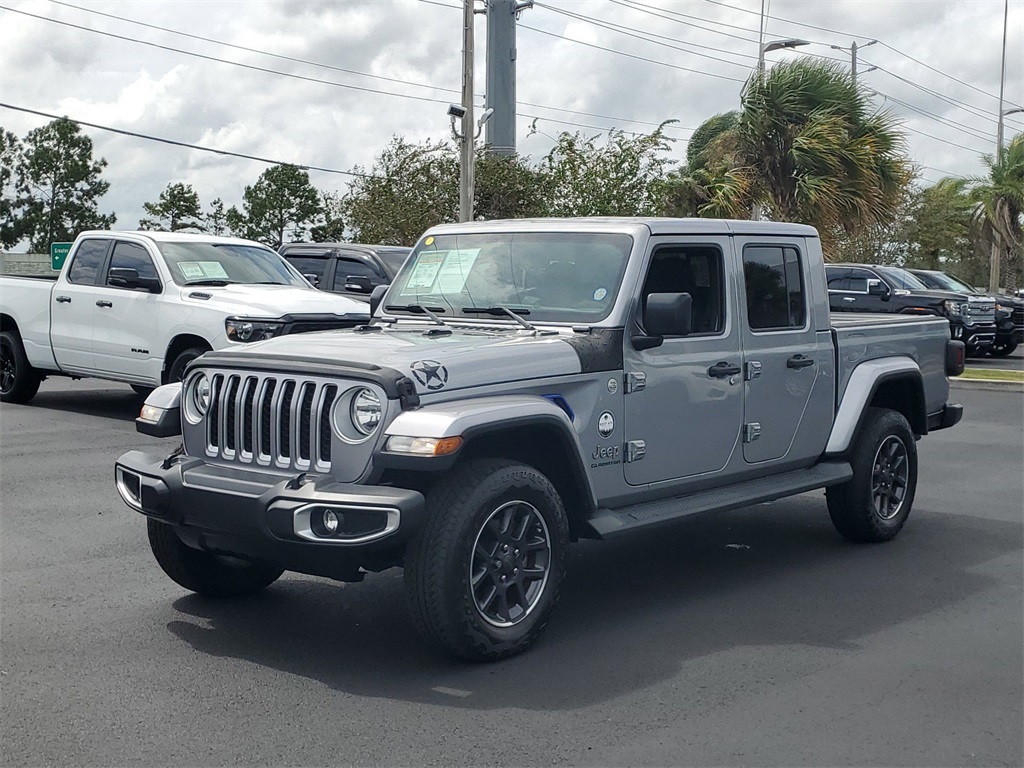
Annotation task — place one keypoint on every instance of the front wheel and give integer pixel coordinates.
(204, 573)
(482, 578)
(1002, 349)
(19, 381)
(874, 505)
(176, 372)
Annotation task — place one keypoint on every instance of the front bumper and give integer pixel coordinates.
(258, 515)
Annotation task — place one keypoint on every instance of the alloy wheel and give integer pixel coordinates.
(890, 477)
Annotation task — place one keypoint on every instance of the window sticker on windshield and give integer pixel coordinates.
(600, 293)
(440, 271)
(196, 270)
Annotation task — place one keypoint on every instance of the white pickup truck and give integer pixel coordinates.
(138, 307)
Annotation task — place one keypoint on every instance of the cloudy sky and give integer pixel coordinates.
(328, 83)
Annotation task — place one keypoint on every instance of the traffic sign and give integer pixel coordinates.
(58, 253)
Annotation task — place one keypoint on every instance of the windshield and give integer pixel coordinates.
(551, 277)
(222, 263)
(944, 282)
(900, 278)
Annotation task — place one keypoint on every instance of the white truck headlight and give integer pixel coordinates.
(365, 411)
(197, 398)
(953, 307)
(242, 330)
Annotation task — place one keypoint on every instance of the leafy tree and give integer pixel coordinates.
(939, 227)
(281, 201)
(507, 187)
(624, 176)
(62, 185)
(808, 149)
(705, 136)
(216, 221)
(177, 209)
(331, 228)
(1000, 209)
(12, 171)
(409, 188)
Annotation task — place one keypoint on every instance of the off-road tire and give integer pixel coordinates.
(204, 573)
(19, 381)
(874, 505)
(176, 372)
(440, 561)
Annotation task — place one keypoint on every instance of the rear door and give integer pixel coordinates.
(683, 410)
(73, 307)
(783, 354)
(126, 326)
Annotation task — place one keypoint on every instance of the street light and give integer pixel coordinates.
(993, 270)
(777, 45)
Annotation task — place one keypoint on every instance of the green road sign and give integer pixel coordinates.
(58, 252)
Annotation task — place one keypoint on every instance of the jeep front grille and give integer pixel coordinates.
(260, 419)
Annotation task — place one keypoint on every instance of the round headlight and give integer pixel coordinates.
(365, 411)
(201, 394)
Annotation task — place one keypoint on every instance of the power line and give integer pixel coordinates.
(185, 144)
(938, 118)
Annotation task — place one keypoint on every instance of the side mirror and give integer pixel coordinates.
(314, 280)
(667, 314)
(377, 297)
(125, 277)
(360, 283)
(878, 288)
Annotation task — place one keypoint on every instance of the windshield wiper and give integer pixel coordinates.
(500, 310)
(418, 309)
(212, 281)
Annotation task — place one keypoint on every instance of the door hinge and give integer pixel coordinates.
(751, 431)
(753, 370)
(635, 381)
(635, 450)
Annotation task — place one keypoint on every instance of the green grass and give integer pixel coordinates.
(990, 374)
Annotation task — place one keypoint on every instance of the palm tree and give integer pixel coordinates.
(1000, 207)
(808, 148)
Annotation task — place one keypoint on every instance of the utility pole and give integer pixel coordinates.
(853, 56)
(994, 260)
(500, 136)
(466, 162)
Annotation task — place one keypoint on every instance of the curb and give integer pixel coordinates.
(959, 382)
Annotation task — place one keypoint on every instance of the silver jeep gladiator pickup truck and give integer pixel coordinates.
(526, 383)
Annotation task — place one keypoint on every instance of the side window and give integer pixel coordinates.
(87, 262)
(309, 265)
(346, 267)
(774, 285)
(837, 279)
(696, 270)
(859, 280)
(132, 256)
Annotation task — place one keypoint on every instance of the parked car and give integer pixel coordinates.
(527, 383)
(348, 268)
(1009, 309)
(138, 307)
(893, 290)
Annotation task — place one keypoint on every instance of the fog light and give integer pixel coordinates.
(330, 521)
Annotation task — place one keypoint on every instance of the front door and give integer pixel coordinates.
(683, 410)
(783, 354)
(73, 308)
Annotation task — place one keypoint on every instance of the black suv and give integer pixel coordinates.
(1009, 309)
(348, 268)
(875, 288)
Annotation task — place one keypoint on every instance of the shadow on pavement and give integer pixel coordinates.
(632, 611)
(121, 404)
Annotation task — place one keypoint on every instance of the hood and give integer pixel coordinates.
(936, 294)
(270, 301)
(435, 362)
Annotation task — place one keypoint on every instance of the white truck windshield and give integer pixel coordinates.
(224, 264)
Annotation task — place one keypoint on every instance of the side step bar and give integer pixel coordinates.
(606, 523)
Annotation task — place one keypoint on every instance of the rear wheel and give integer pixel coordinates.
(207, 574)
(875, 504)
(19, 381)
(1002, 349)
(141, 390)
(482, 578)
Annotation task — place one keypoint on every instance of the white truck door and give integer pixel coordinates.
(126, 325)
(73, 307)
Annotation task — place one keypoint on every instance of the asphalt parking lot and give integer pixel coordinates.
(1012, 362)
(755, 637)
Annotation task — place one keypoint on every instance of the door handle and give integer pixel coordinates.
(849, 298)
(723, 370)
(104, 303)
(63, 299)
(799, 361)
